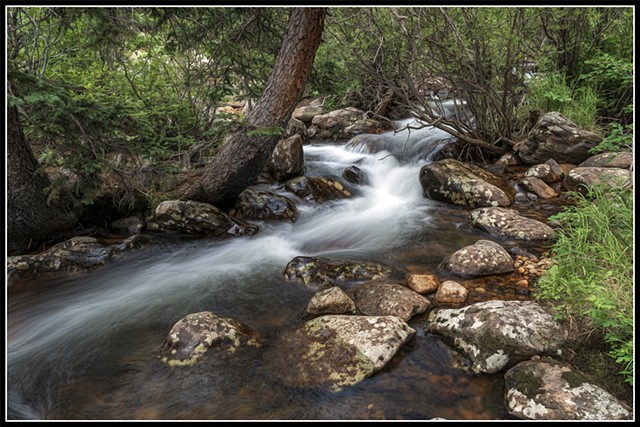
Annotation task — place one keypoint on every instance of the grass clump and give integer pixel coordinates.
(591, 281)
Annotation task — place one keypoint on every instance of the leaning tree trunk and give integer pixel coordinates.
(244, 154)
(31, 219)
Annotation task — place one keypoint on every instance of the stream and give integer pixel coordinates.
(85, 346)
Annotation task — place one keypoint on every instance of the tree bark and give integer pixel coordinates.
(31, 219)
(244, 154)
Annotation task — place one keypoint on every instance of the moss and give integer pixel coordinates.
(527, 382)
(574, 379)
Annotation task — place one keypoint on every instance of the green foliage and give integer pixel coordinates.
(619, 138)
(551, 92)
(592, 275)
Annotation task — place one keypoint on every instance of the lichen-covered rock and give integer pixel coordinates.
(263, 205)
(451, 292)
(195, 334)
(317, 271)
(423, 283)
(75, 254)
(318, 188)
(549, 390)
(336, 351)
(287, 159)
(549, 171)
(480, 259)
(378, 298)
(462, 184)
(509, 224)
(343, 124)
(538, 187)
(494, 333)
(189, 217)
(556, 137)
(622, 160)
(581, 178)
(331, 300)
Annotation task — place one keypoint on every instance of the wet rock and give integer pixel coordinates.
(509, 224)
(332, 300)
(316, 271)
(287, 159)
(354, 175)
(131, 225)
(189, 217)
(580, 178)
(622, 160)
(423, 283)
(336, 351)
(556, 137)
(464, 184)
(495, 333)
(317, 188)
(549, 171)
(378, 298)
(480, 259)
(549, 390)
(451, 292)
(538, 187)
(509, 159)
(263, 205)
(76, 254)
(195, 334)
(343, 124)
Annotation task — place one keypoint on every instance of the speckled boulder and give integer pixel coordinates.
(462, 184)
(189, 217)
(336, 351)
(192, 336)
(546, 389)
(622, 160)
(494, 333)
(332, 300)
(318, 188)
(317, 271)
(287, 159)
(480, 259)
(549, 171)
(263, 205)
(581, 178)
(556, 137)
(377, 298)
(508, 223)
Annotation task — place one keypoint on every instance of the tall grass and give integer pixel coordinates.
(592, 275)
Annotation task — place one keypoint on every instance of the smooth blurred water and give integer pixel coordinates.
(86, 347)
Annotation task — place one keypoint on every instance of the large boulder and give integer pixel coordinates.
(495, 333)
(455, 182)
(556, 137)
(622, 160)
(287, 159)
(263, 205)
(336, 351)
(509, 224)
(480, 259)
(195, 334)
(545, 389)
(189, 217)
(582, 178)
(343, 124)
(379, 298)
(316, 271)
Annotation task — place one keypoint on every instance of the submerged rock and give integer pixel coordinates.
(336, 351)
(316, 271)
(549, 390)
(377, 298)
(192, 336)
(263, 205)
(318, 189)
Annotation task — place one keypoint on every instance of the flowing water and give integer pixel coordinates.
(85, 346)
